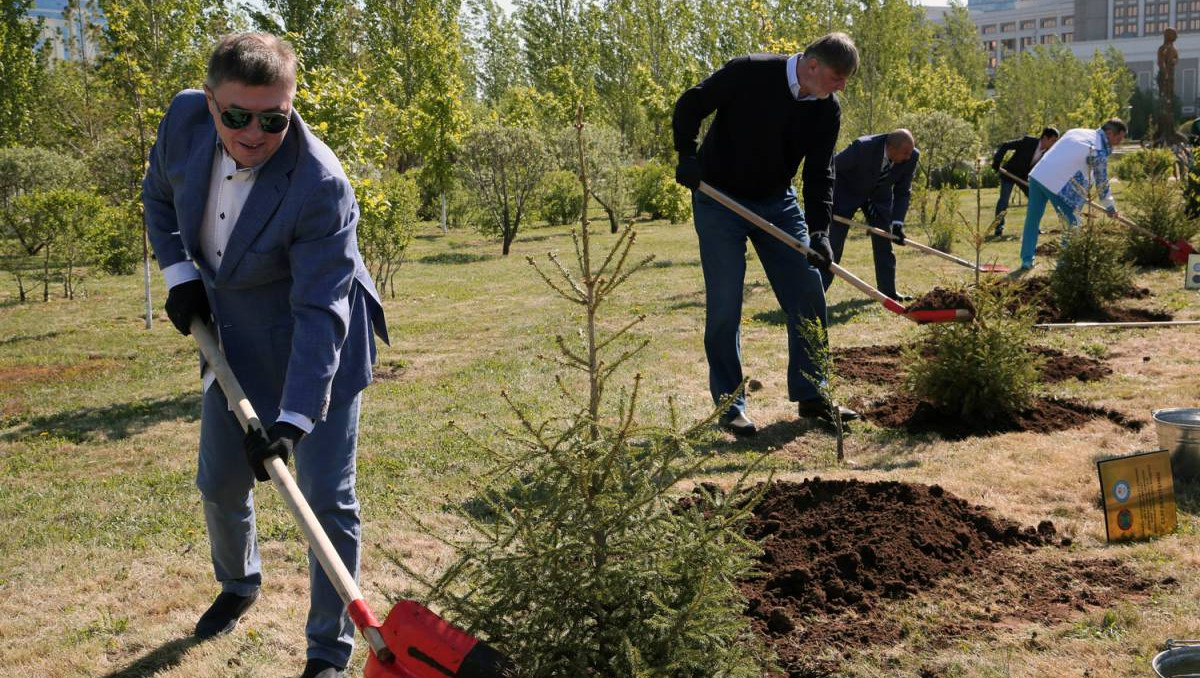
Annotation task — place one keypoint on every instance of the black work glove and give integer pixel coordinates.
(898, 233)
(822, 251)
(185, 301)
(279, 440)
(687, 172)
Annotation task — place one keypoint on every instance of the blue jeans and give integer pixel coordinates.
(1039, 195)
(325, 470)
(796, 284)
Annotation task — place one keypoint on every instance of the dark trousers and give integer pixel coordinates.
(881, 248)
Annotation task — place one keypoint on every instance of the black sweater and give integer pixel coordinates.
(761, 133)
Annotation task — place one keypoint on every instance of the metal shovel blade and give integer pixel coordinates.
(1180, 251)
(427, 646)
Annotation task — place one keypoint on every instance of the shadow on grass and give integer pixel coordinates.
(22, 338)
(454, 258)
(670, 263)
(845, 311)
(164, 657)
(113, 422)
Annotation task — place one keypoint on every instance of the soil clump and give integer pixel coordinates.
(1043, 415)
(941, 299)
(840, 556)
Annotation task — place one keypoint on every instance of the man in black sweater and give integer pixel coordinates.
(1026, 151)
(772, 113)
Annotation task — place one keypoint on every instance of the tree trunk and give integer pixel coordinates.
(445, 231)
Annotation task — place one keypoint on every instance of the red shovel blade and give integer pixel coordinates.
(1180, 251)
(995, 268)
(947, 315)
(427, 646)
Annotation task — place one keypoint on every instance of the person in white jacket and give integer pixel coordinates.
(1064, 176)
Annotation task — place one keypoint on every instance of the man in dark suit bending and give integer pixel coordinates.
(1026, 151)
(874, 174)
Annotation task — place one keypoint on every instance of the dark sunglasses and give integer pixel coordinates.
(237, 118)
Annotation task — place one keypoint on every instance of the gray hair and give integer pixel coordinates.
(835, 50)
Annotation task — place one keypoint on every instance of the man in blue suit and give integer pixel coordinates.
(874, 174)
(253, 223)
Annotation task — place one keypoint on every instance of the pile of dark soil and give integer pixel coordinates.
(1036, 290)
(839, 553)
(883, 365)
(1043, 415)
(940, 299)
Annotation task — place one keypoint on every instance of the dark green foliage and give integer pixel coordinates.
(560, 197)
(1160, 207)
(1090, 270)
(982, 369)
(23, 170)
(582, 561)
(656, 193)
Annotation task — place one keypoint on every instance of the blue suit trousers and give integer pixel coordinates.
(796, 284)
(325, 470)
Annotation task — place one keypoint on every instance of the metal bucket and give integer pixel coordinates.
(1179, 434)
(1181, 659)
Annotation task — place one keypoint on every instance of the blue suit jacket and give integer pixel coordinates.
(293, 303)
(857, 183)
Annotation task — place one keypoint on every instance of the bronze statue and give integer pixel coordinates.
(1168, 57)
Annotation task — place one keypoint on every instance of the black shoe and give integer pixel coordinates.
(817, 408)
(739, 425)
(999, 230)
(319, 668)
(903, 298)
(223, 614)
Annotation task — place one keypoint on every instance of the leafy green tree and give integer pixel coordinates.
(385, 229)
(502, 166)
(22, 70)
(891, 36)
(494, 50)
(24, 171)
(608, 158)
(322, 31)
(957, 46)
(1107, 90)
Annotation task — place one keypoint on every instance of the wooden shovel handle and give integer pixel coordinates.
(908, 243)
(318, 541)
(790, 241)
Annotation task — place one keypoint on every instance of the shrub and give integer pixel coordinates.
(560, 198)
(1147, 163)
(581, 560)
(389, 206)
(938, 216)
(1090, 271)
(982, 369)
(656, 193)
(118, 240)
(1160, 207)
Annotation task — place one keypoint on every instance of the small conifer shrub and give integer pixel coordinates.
(1161, 207)
(980, 370)
(580, 559)
(1091, 271)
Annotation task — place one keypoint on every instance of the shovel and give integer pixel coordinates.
(412, 642)
(1180, 249)
(930, 316)
(986, 268)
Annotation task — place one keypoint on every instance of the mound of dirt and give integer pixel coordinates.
(838, 553)
(883, 365)
(1037, 291)
(939, 299)
(1044, 415)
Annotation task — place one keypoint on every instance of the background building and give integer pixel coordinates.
(58, 27)
(1135, 27)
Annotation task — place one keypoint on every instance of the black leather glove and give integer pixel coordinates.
(822, 255)
(185, 301)
(687, 172)
(898, 233)
(278, 441)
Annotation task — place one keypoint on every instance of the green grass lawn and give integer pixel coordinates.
(103, 553)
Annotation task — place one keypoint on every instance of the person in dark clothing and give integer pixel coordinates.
(772, 113)
(874, 174)
(1026, 151)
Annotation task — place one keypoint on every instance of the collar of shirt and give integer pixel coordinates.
(793, 81)
(886, 164)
